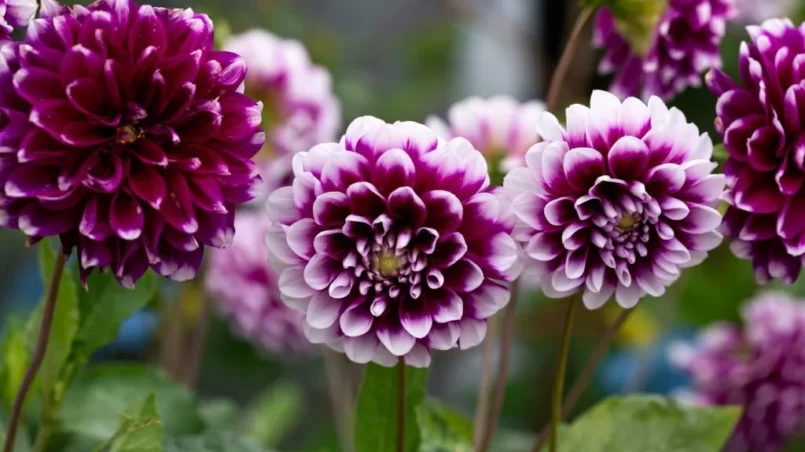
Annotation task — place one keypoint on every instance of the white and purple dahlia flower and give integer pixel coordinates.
(668, 57)
(393, 243)
(123, 132)
(500, 127)
(761, 121)
(760, 367)
(15, 13)
(244, 287)
(618, 202)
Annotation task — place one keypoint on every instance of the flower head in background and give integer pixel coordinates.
(392, 243)
(761, 121)
(122, 131)
(15, 13)
(502, 128)
(755, 12)
(244, 287)
(618, 202)
(662, 47)
(301, 110)
(759, 367)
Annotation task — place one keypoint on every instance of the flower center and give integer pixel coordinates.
(386, 263)
(628, 222)
(128, 134)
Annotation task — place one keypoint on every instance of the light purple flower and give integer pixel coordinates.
(500, 127)
(122, 132)
(618, 202)
(393, 243)
(761, 122)
(15, 13)
(755, 12)
(244, 287)
(300, 108)
(760, 367)
(684, 44)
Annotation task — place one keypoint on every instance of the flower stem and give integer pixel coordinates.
(560, 73)
(584, 379)
(482, 410)
(39, 352)
(506, 339)
(561, 369)
(401, 404)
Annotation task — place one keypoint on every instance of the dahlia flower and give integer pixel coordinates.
(761, 124)
(758, 367)
(244, 287)
(619, 202)
(500, 127)
(392, 243)
(15, 13)
(300, 107)
(754, 11)
(666, 55)
(123, 132)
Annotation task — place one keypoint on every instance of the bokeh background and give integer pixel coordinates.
(404, 60)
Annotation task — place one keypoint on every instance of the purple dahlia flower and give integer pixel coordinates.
(761, 122)
(760, 367)
(122, 131)
(392, 243)
(619, 202)
(676, 50)
(244, 286)
(15, 13)
(500, 127)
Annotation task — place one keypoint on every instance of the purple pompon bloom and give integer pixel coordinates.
(500, 127)
(123, 132)
(15, 13)
(301, 110)
(664, 56)
(393, 243)
(618, 202)
(244, 287)
(760, 367)
(761, 122)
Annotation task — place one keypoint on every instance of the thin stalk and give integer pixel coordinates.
(506, 339)
(482, 410)
(584, 378)
(39, 352)
(560, 73)
(401, 405)
(561, 370)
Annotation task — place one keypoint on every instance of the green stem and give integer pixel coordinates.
(559, 75)
(561, 369)
(401, 405)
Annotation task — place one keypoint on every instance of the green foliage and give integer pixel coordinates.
(21, 442)
(443, 429)
(645, 423)
(219, 414)
(376, 422)
(100, 393)
(140, 429)
(213, 442)
(275, 413)
(14, 361)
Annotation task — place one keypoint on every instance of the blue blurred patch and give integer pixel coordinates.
(618, 367)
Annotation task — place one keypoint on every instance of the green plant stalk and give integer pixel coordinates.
(401, 404)
(561, 370)
(559, 75)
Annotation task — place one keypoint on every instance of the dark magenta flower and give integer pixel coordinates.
(761, 121)
(665, 52)
(760, 367)
(617, 203)
(244, 287)
(122, 131)
(392, 243)
(15, 13)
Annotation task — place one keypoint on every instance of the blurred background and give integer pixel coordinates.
(404, 60)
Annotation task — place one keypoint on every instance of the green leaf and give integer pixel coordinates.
(99, 394)
(140, 429)
(219, 414)
(275, 413)
(14, 362)
(443, 429)
(213, 442)
(104, 307)
(66, 318)
(376, 422)
(645, 423)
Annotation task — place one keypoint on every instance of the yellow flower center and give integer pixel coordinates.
(627, 222)
(387, 264)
